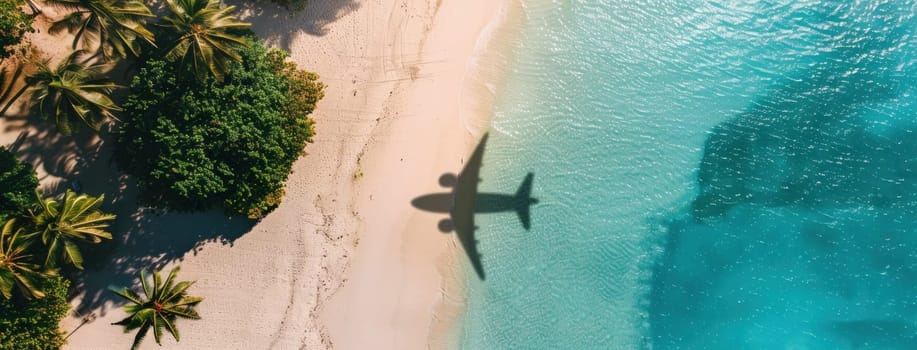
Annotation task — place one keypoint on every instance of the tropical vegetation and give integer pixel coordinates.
(193, 146)
(14, 23)
(35, 323)
(73, 92)
(163, 302)
(213, 119)
(33, 299)
(16, 269)
(62, 225)
(202, 37)
(17, 185)
(113, 28)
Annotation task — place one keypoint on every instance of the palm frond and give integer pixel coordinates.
(146, 287)
(16, 266)
(157, 328)
(111, 27)
(6, 284)
(159, 309)
(62, 224)
(189, 301)
(54, 252)
(25, 280)
(139, 337)
(171, 328)
(73, 91)
(202, 30)
(73, 254)
(167, 287)
(126, 293)
(178, 291)
(157, 286)
(185, 313)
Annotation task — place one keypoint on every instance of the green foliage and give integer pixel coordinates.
(112, 26)
(35, 323)
(164, 302)
(17, 268)
(73, 91)
(195, 145)
(61, 225)
(304, 88)
(17, 185)
(13, 25)
(202, 38)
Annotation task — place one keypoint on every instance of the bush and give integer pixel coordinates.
(13, 25)
(35, 324)
(194, 145)
(17, 185)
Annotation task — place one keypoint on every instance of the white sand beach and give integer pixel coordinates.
(345, 262)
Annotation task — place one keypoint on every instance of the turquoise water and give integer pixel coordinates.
(712, 175)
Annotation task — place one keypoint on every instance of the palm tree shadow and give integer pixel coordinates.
(281, 25)
(152, 239)
(10, 80)
(144, 238)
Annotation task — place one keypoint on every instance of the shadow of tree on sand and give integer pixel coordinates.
(280, 25)
(148, 239)
(144, 238)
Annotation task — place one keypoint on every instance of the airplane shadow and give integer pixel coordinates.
(464, 201)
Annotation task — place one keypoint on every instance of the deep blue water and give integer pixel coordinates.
(712, 175)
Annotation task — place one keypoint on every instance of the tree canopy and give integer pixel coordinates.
(14, 23)
(195, 145)
(17, 185)
(34, 324)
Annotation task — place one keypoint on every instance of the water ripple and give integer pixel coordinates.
(714, 174)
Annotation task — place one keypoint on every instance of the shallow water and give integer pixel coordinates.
(711, 174)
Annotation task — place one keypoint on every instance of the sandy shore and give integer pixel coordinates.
(401, 291)
(408, 96)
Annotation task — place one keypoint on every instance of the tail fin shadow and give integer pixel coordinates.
(524, 200)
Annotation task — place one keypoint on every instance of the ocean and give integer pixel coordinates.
(710, 175)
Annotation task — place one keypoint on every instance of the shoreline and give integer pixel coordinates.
(410, 89)
(486, 71)
(405, 283)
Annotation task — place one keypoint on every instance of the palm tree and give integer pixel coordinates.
(62, 225)
(114, 26)
(164, 303)
(16, 268)
(202, 36)
(73, 91)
